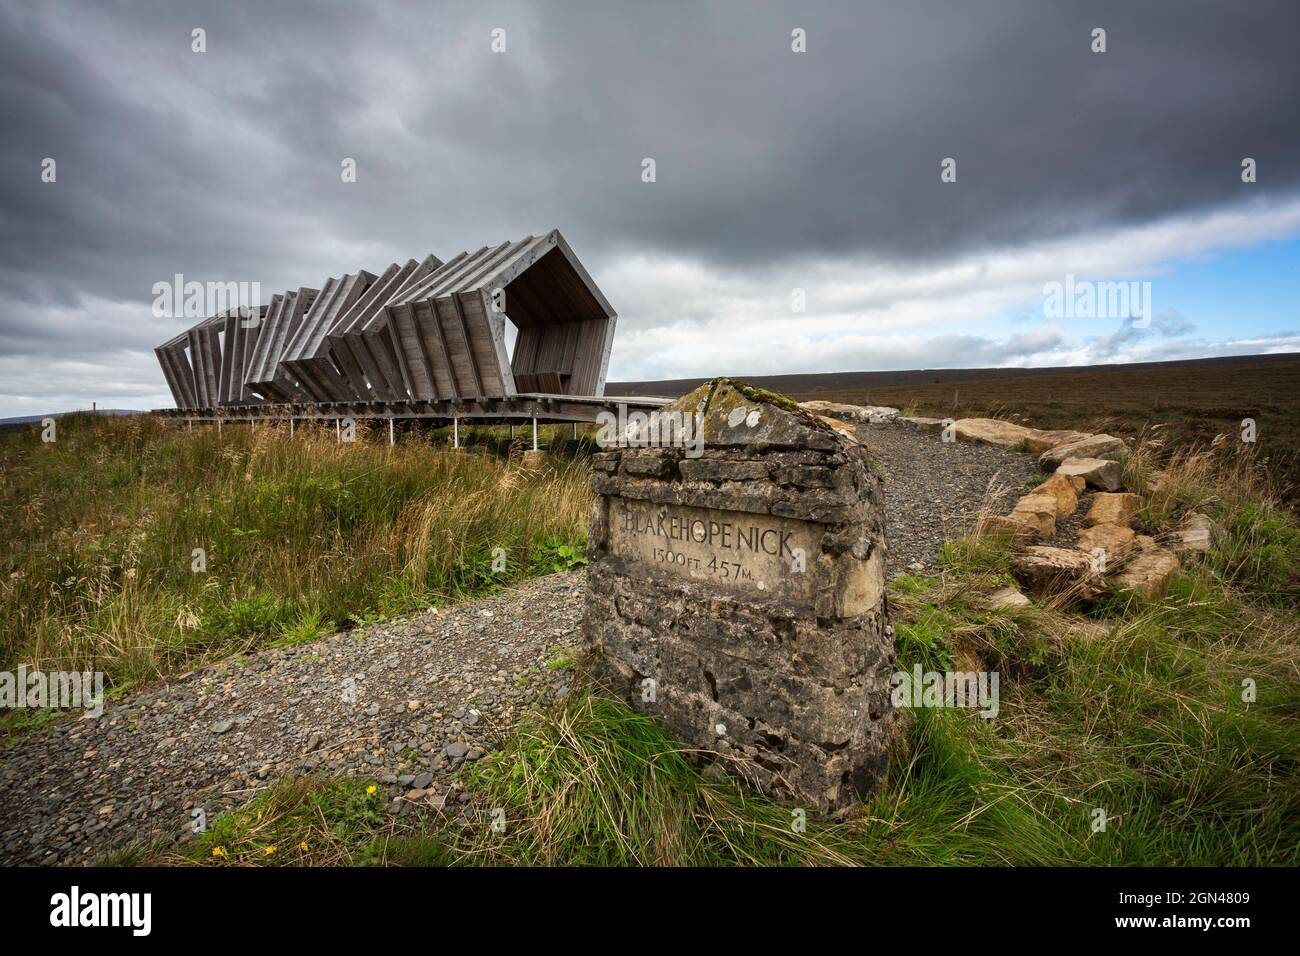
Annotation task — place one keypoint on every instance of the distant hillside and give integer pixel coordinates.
(1191, 402)
(20, 420)
(809, 384)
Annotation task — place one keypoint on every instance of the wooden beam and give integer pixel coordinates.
(469, 343)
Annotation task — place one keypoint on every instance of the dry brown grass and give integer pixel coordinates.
(300, 535)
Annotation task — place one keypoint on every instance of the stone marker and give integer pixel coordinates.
(739, 595)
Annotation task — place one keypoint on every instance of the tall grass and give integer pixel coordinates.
(299, 535)
(1257, 541)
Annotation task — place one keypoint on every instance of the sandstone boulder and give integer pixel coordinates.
(1148, 573)
(991, 431)
(1037, 511)
(1198, 533)
(847, 429)
(1064, 490)
(1098, 472)
(1115, 542)
(1008, 596)
(857, 414)
(1022, 528)
(1039, 441)
(1056, 572)
(1093, 446)
(1112, 508)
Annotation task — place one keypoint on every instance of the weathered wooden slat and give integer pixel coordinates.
(178, 374)
(346, 342)
(271, 382)
(434, 349)
(459, 310)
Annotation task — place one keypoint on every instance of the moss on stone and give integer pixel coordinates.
(765, 396)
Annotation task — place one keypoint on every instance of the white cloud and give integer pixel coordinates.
(679, 318)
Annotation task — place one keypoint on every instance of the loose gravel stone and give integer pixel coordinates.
(213, 738)
(934, 489)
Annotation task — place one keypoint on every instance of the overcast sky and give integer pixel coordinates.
(775, 170)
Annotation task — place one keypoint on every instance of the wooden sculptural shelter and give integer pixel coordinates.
(423, 338)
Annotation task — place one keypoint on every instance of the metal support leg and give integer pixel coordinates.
(455, 432)
(291, 426)
(391, 440)
(575, 431)
(338, 429)
(534, 434)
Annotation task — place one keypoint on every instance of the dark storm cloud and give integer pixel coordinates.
(225, 165)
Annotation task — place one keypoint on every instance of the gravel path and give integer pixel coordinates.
(934, 489)
(405, 703)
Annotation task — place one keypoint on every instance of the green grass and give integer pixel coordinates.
(299, 536)
(1145, 720)
(298, 820)
(1135, 707)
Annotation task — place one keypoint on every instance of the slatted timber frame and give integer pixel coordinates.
(416, 335)
(202, 363)
(265, 376)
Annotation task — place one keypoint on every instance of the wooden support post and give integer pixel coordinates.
(218, 424)
(391, 440)
(189, 424)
